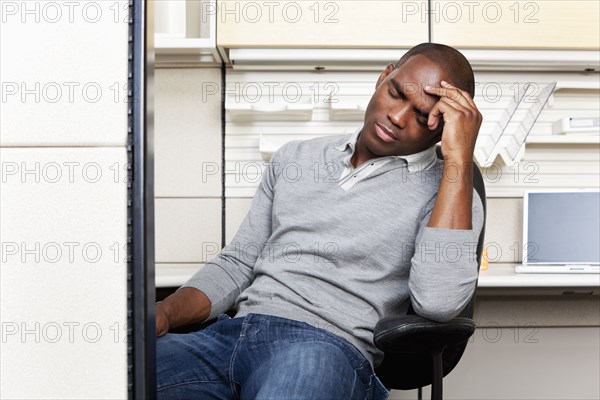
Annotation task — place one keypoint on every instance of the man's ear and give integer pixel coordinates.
(388, 70)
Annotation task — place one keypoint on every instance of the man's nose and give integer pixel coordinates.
(398, 115)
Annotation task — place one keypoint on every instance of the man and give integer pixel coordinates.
(358, 227)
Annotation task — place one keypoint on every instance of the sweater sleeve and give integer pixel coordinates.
(230, 272)
(444, 269)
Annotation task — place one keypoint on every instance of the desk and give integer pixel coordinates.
(174, 276)
(500, 278)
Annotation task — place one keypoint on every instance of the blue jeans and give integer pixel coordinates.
(263, 357)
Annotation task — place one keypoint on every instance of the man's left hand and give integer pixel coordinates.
(461, 119)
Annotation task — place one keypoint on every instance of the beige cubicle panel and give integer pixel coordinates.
(187, 230)
(63, 285)
(188, 133)
(64, 70)
(187, 169)
(542, 24)
(342, 23)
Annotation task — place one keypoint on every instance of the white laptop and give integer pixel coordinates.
(561, 232)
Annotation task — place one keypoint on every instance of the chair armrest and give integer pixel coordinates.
(413, 333)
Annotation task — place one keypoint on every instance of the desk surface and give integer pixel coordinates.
(174, 276)
(502, 275)
(496, 276)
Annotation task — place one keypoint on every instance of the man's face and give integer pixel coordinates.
(396, 117)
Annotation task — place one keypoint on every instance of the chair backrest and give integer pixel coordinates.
(414, 370)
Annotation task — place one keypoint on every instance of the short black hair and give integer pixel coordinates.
(458, 67)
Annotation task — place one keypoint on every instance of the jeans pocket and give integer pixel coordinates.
(222, 317)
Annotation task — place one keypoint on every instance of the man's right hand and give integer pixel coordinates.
(184, 307)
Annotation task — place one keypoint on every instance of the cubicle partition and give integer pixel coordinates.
(76, 200)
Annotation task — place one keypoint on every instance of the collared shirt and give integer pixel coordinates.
(350, 176)
(341, 260)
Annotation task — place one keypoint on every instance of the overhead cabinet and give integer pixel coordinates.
(541, 24)
(341, 23)
(363, 35)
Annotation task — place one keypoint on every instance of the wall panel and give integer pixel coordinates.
(64, 239)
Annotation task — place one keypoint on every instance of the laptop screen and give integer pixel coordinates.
(562, 228)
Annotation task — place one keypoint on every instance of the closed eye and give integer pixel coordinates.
(394, 93)
(421, 120)
(421, 117)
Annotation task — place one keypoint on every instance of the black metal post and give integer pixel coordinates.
(438, 375)
(141, 296)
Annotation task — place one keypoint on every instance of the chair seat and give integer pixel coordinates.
(409, 342)
(413, 333)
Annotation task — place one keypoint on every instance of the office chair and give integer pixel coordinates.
(418, 351)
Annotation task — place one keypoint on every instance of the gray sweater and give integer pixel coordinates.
(340, 257)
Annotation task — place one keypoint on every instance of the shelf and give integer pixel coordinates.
(268, 144)
(563, 139)
(185, 52)
(349, 108)
(283, 111)
(185, 33)
(577, 85)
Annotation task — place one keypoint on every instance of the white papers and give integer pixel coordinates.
(507, 126)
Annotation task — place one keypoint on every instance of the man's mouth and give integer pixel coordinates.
(384, 133)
